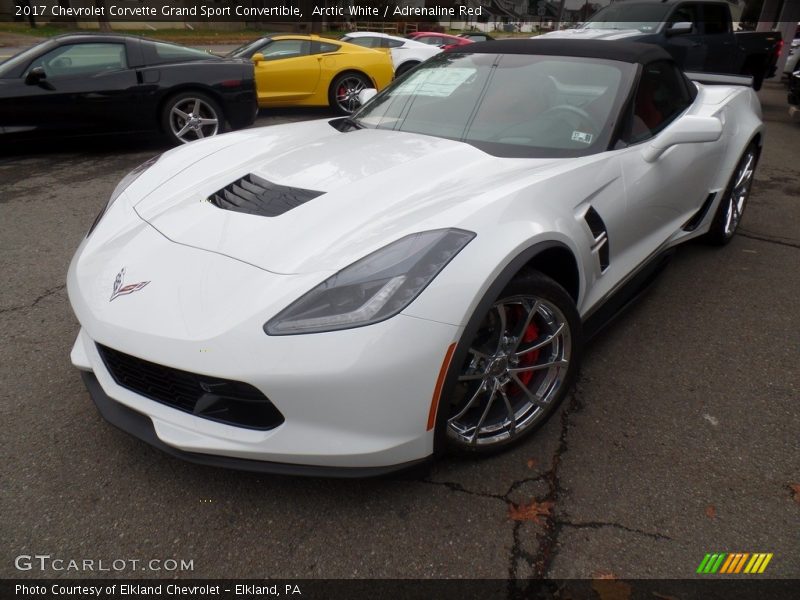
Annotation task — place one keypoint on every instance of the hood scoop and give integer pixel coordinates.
(256, 196)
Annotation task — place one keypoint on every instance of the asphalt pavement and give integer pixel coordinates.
(681, 437)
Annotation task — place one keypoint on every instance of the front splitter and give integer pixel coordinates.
(140, 426)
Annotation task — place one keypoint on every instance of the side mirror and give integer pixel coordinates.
(686, 130)
(257, 58)
(35, 75)
(366, 95)
(679, 28)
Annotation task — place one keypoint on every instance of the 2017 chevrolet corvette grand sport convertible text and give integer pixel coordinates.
(355, 295)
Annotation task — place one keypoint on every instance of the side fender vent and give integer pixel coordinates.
(700, 215)
(256, 196)
(600, 235)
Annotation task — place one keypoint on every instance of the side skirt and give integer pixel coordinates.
(626, 295)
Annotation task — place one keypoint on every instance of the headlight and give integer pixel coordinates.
(373, 288)
(121, 187)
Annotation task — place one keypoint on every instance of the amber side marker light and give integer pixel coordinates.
(437, 391)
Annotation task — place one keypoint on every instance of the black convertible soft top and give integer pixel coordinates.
(630, 52)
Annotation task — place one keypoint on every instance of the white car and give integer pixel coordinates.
(406, 54)
(353, 296)
(793, 60)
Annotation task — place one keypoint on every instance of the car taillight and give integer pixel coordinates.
(779, 48)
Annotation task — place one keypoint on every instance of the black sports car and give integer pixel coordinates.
(86, 84)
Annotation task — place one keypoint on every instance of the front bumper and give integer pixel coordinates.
(361, 412)
(140, 426)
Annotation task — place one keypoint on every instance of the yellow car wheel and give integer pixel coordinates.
(343, 93)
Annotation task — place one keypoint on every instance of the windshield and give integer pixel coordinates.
(507, 105)
(13, 64)
(644, 17)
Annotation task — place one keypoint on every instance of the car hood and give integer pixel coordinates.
(372, 186)
(592, 34)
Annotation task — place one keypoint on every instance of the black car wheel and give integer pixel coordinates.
(731, 207)
(517, 366)
(343, 93)
(191, 116)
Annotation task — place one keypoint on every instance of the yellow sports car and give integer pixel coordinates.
(307, 70)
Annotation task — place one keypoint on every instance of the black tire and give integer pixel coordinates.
(731, 207)
(537, 312)
(183, 116)
(405, 68)
(343, 93)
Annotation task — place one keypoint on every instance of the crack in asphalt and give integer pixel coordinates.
(542, 559)
(601, 524)
(767, 238)
(41, 297)
(546, 551)
(457, 487)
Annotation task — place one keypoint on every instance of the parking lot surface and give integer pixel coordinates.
(681, 437)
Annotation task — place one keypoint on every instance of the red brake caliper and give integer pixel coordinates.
(531, 334)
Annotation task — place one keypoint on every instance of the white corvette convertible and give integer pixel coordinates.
(406, 54)
(354, 296)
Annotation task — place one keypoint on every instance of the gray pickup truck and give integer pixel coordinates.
(698, 35)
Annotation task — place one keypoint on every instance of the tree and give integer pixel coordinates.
(31, 18)
(102, 21)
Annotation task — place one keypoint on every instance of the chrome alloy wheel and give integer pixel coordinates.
(514, 368)
(346, 93)
(740, 190)
(192, 118)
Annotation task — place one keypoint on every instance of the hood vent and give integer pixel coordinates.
(256, 196)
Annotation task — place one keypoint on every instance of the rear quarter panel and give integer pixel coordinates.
(231, 84)
(742, 124)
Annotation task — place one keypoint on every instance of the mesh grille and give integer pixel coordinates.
(223, 400)
(256, 196)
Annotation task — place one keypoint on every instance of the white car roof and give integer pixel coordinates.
(357, 34)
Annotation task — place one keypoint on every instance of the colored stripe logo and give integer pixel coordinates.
(734, 562)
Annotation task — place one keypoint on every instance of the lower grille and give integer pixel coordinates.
(223, 400)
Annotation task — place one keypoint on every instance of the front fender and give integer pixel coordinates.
(483, 268)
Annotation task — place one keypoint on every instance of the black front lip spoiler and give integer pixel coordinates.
(140, 426)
